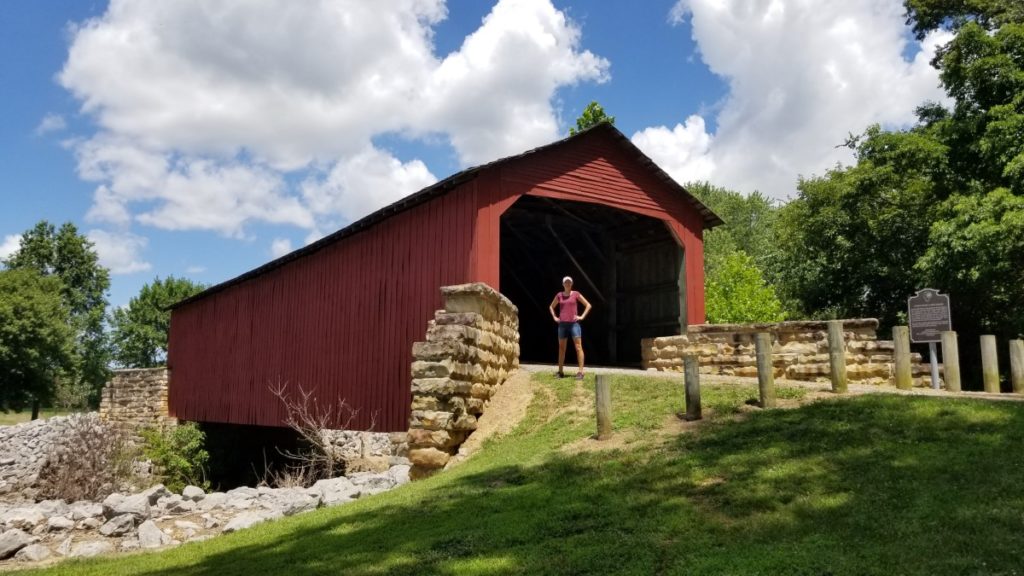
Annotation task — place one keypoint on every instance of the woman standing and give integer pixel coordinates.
(568, 319)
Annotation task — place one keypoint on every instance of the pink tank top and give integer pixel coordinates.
(567, 306)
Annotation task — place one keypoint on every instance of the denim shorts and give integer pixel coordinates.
(569, 330)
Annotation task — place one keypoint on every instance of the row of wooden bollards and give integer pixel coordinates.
(951, 361)
(765, 378)
(837, 370)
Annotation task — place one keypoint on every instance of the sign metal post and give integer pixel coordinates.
(929, 318)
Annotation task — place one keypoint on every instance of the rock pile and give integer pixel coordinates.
(24, 449)
(156, 517)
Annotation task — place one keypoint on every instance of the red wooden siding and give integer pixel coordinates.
(341, 321)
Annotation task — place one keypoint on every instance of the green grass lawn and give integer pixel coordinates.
(12, 418)
(875, 484)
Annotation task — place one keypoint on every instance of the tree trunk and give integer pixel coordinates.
(35, 409)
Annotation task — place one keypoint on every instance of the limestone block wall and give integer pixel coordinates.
(800, 351)
(136, 399)
(471, 347)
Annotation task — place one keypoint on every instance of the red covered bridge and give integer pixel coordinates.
(339, 316)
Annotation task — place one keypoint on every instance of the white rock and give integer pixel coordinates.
(175, 504)
(53, 508)
(213, 500)
(22, 518)
(211, 522)
(89, 549)
(372, 482)
(400, 474)
(185, 525)
(336, 491)
(243, 492)
(33, 553)
(118, 525)
(59, 523)
(245, 520)
(193, 493)
(110, 502)
(64, 548)
(89, 524)
(290, 501)
(137, 505)
(151, 536)
(240, 503)
(154, 493)
(11, 541)
(83, 509)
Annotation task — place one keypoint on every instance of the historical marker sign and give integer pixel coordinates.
(929, 315)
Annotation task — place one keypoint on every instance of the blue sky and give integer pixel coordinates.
(202, 139)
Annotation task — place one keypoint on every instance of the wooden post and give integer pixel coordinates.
(692, 372)
(989, 363)
(1017, 365)
(765, 369)
(837, 356)
(901, 357)
(603, 403)
(950, 361)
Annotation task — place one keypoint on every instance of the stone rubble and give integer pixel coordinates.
(156, 518)
(24, 449)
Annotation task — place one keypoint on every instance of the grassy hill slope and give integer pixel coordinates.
(875, 484)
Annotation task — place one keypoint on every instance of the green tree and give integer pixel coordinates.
(36, 343)
(928, 15)
(976, 253)
(592, 115)
(938, 204)
(748, 227)
(139, 331)
(71, 257)
(847, 245)
(736, 292)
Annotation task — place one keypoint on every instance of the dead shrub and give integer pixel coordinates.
(90, 460)
(318, 458)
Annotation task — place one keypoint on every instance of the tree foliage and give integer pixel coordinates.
(976, 252)
(71, 257)
(179, 455)
(736, 254)
(36, 344)
(748, 223)
(928, 15)
(592, 115)
(736, 292)
(139, 331)
(938, 204)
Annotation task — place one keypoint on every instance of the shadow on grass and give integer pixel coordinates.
(871, 485)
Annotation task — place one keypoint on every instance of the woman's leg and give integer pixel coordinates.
(561, 353)
(579, 351)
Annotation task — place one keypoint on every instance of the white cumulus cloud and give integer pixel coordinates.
(802, 75)
(280, 246)
(361, 183)
(10, 245)
(51, 123)
(120, 251)
(208, 111)
(682, 151)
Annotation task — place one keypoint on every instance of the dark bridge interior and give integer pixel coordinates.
(627, 265)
